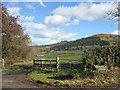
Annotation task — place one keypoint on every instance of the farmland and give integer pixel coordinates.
(68, 54)
(73, 77)
(71, 74)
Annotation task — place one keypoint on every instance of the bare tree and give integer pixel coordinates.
(114, 13)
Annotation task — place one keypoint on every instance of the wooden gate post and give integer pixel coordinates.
(33, 62)
(84, 64)
(58, 59)
(2, 63)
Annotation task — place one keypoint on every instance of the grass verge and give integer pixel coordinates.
(15, 66)
(108, 78)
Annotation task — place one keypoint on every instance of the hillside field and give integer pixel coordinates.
(66, 54)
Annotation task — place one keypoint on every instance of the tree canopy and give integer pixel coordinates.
(14, 41)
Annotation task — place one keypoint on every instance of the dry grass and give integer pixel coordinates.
(108, 78)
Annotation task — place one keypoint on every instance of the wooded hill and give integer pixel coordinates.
(98, 39)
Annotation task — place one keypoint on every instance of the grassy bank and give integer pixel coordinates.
(108, 78)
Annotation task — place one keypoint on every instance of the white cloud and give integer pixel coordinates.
(74, 22)
(55, 20)
(42, 3)
(42, 41)
(34, 26)
(41, 31)
(14, 11)
(27, 18)
(117, 32)
(85, 11)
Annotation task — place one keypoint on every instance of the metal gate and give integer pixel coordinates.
(71, 66)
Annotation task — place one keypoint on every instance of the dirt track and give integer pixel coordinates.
(16, 79)
(19, 79)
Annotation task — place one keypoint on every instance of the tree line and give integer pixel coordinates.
(15, 44)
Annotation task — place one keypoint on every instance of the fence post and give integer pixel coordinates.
(2, 63)
(58, 63)
(50, 66)
(84, 64)
(96, 62)
(33, 62)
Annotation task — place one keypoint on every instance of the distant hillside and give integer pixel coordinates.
(98, 39)
(47, 47)
(111, 38)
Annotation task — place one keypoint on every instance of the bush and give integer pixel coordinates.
(102, 55)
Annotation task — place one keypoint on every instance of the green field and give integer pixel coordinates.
(68, 54)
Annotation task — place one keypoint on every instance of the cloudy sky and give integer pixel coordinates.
(52, 22)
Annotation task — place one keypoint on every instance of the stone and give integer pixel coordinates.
(100, 67)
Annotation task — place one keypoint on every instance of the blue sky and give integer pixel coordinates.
(52, 22)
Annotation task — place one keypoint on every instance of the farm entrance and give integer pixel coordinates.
(59, 65)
